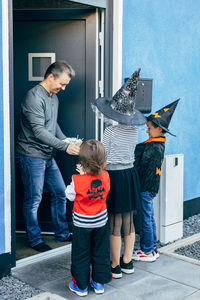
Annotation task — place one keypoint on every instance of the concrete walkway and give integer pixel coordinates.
(166, 279)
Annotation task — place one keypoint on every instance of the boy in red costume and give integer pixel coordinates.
(148, 160)
(90, 242)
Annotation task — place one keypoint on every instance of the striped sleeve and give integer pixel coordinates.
(70, 191)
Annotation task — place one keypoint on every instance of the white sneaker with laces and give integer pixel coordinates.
(139, 255)
(155, 252)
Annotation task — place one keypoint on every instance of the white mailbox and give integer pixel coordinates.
(169, 202)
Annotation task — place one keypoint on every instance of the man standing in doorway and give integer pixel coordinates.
(40, 134)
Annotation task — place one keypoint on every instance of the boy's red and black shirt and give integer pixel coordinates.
(148, 160)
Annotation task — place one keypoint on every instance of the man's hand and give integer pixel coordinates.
(73, 149)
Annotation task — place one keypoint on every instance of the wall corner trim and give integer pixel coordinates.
(117, 44)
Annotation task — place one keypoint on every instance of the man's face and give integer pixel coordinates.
(153, 131)
(58, 83)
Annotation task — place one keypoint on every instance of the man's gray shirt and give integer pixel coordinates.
(40, 132)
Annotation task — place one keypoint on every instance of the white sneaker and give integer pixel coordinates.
(139, 255)
(155, 253)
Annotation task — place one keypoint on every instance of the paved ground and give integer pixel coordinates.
(166, 279)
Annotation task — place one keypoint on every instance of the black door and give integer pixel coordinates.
(72, 37)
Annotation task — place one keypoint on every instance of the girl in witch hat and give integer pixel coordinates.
(124, 197)
(148, 159)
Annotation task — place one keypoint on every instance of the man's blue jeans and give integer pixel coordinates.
(148, 237)
(35, 172)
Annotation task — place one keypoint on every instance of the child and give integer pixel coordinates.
(120, 141)
(90, 242)
(148, 159)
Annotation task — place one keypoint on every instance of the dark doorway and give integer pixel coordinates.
(71, 35)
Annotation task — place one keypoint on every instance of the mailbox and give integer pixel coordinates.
(144, 95)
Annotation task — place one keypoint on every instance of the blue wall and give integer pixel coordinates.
(2, 225)
(163, 38)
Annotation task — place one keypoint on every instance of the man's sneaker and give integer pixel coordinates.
(74, 288)
(155, 253)
(126, 267)
(139, 255)
(116, 272)
(98, 287)
(41, 247)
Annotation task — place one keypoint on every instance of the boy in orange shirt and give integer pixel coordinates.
(90, 242)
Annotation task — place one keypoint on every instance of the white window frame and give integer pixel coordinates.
(52, 56)
(117, 62)
(117, 44)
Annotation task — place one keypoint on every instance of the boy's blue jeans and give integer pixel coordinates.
(35, 172)
(148, 237)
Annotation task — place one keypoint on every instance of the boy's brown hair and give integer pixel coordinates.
(93, 157)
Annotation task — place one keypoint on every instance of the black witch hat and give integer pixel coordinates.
(120, 107)
(163, 116)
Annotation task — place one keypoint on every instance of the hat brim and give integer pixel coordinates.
(103, 105)
(157, 123)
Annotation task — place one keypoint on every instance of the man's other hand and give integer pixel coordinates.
(73, 149)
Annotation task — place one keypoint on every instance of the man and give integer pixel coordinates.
(40, 134)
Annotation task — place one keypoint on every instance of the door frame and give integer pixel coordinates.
(113, 13)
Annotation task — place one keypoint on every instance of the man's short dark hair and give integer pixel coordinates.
(58, 68)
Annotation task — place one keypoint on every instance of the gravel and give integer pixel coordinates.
(13, 289)
(192, 250)
(191, 226)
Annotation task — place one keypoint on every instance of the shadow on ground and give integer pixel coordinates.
(23, 250)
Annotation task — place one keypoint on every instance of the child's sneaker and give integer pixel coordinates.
(155, 252)
(116, 272)
(139, 255)
(126, 267)
(98, 287)
(74, 288)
